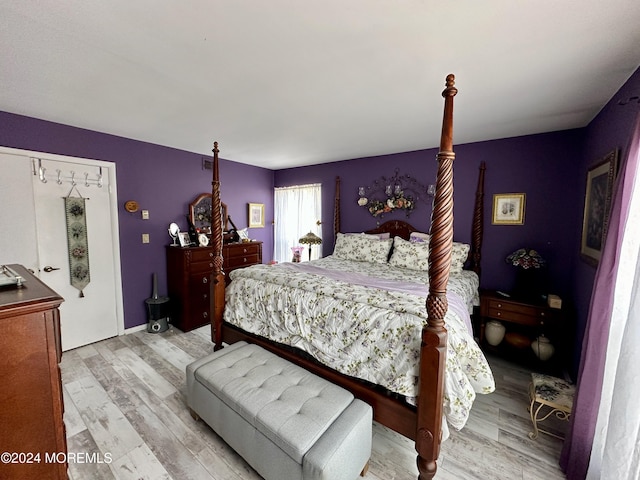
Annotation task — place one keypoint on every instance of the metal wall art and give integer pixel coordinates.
(398, 192)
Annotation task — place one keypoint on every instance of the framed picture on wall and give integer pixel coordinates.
(508, 209)
(597, 204)
(256, 215)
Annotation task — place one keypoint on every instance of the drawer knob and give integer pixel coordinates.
(205, 280)
(499, 305)
(244, 250)
(542, 314)
(244, 259)
(210, 264)
(499, 313)
(205, 314)
(211, 254)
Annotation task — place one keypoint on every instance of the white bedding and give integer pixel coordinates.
(369, 332)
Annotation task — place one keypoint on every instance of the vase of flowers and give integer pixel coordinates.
(530, 271)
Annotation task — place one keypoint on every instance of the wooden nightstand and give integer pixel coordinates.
(527, 318)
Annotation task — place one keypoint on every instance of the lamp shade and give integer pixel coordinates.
(526, 258)
(310, 239)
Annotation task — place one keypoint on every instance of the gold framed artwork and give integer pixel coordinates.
(508, 209)
(597, 204)
(256, 215)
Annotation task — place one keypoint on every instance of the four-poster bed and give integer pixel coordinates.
(418, 413)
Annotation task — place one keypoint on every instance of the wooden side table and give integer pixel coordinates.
(528, 318)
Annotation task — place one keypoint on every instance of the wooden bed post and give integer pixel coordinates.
(217, 275)
(336, 210)
(478, 221)
(433, 347)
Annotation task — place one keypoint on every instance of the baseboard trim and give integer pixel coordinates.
(137, 328)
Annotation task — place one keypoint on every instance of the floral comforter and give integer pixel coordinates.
(360, 328)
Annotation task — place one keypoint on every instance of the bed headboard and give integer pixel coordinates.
(403, 229)
(395, 228)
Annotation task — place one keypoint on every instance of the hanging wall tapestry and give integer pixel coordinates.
(77, 242)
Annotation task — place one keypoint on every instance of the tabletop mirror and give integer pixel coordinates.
(200, 213)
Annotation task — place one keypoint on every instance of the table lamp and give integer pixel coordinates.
(310, 239)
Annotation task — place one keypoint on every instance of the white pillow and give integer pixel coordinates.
(418, 237)
(362, 248)
(379, 236)
(411, 255)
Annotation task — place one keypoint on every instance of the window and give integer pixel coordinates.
(297, 210)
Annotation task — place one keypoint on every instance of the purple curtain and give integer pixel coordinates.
(577, 445)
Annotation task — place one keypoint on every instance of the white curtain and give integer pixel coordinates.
(296, 211)
(615, 453)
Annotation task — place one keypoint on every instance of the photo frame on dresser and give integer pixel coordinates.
(185, 240)
(597, 204)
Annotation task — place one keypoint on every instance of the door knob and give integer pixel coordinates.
(50, 269)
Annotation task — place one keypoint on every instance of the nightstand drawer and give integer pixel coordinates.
(501, 308)
(516, 317)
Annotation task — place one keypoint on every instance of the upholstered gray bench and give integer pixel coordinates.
(284, 421)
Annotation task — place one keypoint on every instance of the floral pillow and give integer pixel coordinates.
(411, 255)
(415, 255)
(459, 254)
(362, 248)
(379, 236)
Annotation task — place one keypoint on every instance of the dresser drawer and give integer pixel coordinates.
(243, 249)
(201, 267)
(199, 297)
(201, 254)
(242, 261)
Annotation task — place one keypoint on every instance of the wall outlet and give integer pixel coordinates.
(145, 214)
(145, 238)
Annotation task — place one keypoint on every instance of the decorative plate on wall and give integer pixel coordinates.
(131, 206)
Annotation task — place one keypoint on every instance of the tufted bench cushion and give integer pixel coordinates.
(286, 422)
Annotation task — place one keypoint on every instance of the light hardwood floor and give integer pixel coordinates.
(126, 418)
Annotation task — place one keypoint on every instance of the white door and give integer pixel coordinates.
(93, 316)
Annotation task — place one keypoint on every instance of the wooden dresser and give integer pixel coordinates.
(189, 275)
(32, 430)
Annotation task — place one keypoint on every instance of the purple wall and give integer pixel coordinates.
(542, 166)
(611, 129)
(163, 180)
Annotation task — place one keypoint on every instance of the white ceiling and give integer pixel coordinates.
(284, 83)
